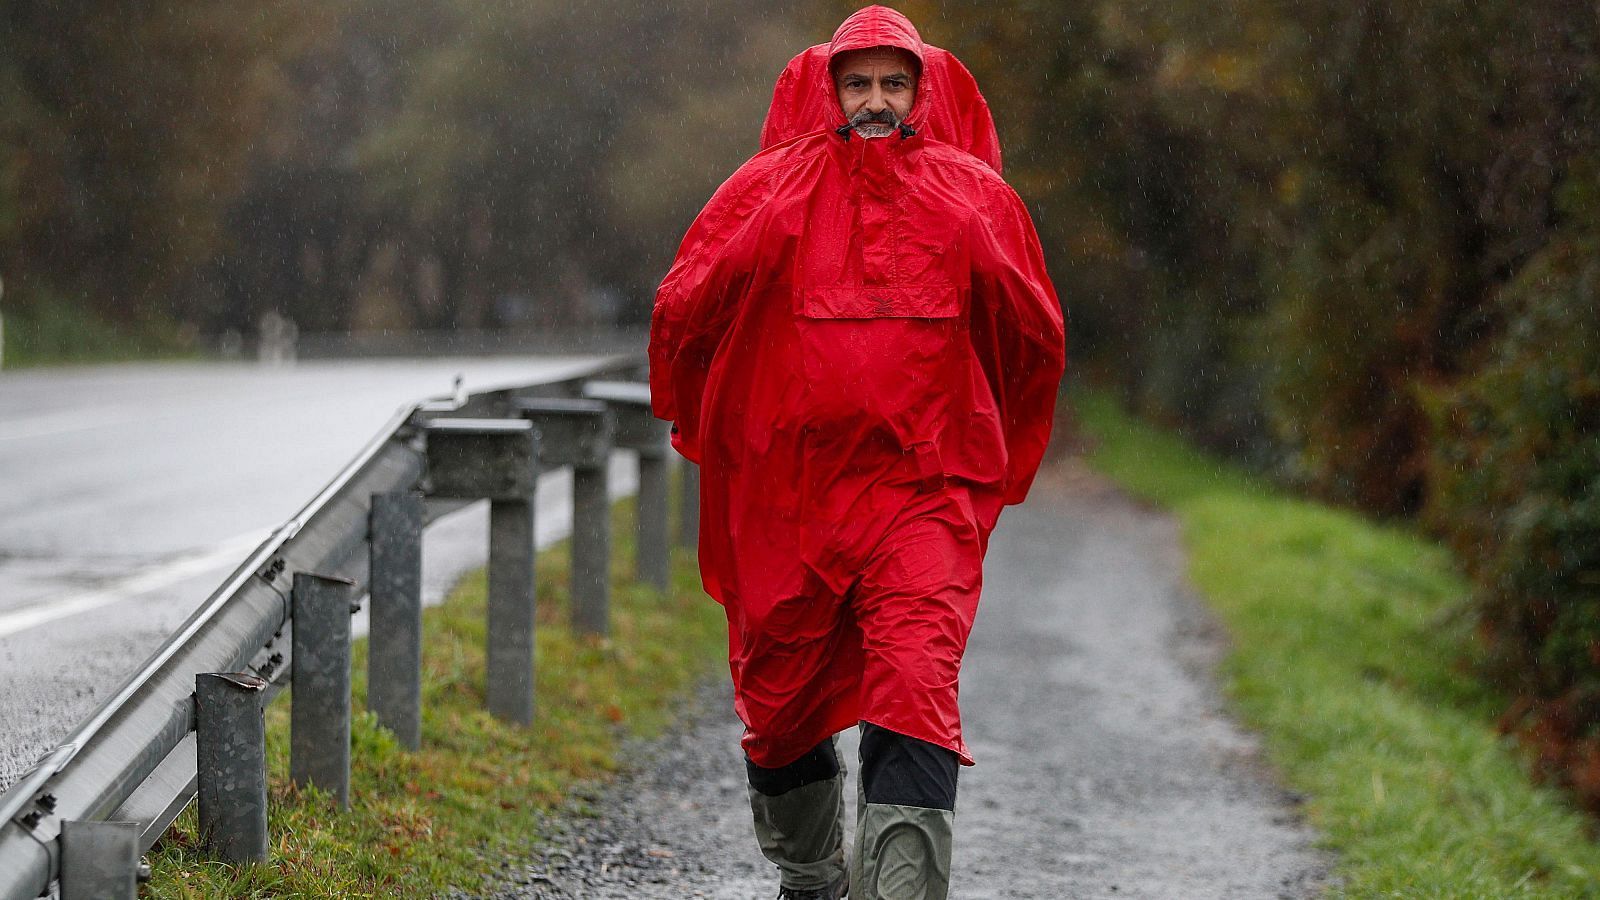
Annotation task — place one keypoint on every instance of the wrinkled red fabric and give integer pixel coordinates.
(859, 344)
(953, 110)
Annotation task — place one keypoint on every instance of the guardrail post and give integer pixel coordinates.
(591, 549)
(394, 641)
(231, 764)
(319, 698)
(510, 689)
(654, 553)
(688, 503)
(578, 433)
(99, 860)
(642, 432)
(498, 459)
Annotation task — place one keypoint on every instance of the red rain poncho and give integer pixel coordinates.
(859, 344)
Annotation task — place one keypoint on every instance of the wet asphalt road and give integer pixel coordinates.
(1107, 765)
(127, 493)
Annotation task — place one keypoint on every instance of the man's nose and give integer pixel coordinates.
(877, 101)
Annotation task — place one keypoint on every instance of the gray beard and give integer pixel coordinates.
(870, 125)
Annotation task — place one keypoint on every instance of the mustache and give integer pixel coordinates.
(881, 117)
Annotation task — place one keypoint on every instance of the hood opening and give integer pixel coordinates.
(870, 28)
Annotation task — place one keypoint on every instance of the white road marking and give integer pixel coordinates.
(225, 553)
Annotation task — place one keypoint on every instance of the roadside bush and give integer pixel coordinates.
(49, 328)
(1346, 345)
(1516, 476)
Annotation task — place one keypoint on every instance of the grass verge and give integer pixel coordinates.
(1351, 655)
(54, 332)
(446, 816)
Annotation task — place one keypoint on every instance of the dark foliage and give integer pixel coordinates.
(362, 165)
(1516, 475)
(124, 130)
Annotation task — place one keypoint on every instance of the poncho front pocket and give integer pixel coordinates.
(878, 360)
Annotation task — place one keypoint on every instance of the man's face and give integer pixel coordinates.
(876, 88)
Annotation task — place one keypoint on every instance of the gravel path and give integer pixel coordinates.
(1106, 764)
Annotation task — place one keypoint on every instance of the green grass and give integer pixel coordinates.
(447, 815)
(57, 333)
(1352, 655)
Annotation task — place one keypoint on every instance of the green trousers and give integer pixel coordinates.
(802, 832)
(901, 852)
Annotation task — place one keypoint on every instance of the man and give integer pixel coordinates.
(860, 346)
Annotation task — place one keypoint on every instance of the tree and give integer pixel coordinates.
(127, 130)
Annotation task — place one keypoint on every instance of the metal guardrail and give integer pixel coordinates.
(125, 773)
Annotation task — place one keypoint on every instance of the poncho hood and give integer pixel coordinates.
(876, 26)
(949, 107)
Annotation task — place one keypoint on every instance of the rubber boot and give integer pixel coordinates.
(799, 818)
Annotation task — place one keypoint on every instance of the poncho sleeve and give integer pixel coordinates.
(1018, 331)
(696, 303)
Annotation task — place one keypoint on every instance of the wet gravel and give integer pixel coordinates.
(1107, 766)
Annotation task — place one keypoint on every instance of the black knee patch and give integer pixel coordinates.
(818, 764)
(905, 771)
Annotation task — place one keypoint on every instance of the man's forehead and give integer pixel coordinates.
(874, 57)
